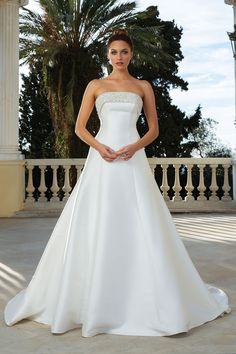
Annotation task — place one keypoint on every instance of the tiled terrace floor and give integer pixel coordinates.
(211, 242)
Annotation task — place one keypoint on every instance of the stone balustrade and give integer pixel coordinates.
(187, 184)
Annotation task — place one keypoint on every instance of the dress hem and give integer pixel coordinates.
(130, 333)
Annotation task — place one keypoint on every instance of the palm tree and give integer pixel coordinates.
(69, 39)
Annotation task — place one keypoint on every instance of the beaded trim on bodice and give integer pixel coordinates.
(118, 96)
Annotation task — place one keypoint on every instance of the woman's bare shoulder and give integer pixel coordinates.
(93, 83)
(92, 87)
(96, 84)
(144, 84)
(144, 87)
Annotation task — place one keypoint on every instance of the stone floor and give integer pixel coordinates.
(211, 242)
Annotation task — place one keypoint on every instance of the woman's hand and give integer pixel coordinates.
(126, 152)
(107, 153)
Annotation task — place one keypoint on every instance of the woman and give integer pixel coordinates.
(120, 53)
(114, 262)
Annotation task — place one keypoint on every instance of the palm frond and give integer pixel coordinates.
(70, 38)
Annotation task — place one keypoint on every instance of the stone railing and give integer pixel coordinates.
(187, 184)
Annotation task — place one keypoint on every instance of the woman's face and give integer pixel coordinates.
(119, 54)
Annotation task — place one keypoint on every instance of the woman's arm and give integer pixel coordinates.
(149, 107)
(86, 108)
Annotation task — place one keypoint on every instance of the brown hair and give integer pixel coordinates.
(120, 34)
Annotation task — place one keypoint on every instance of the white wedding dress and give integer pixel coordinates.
(114, 262)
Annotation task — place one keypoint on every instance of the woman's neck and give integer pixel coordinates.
(120, 75)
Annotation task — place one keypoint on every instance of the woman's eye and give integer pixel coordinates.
(124, 52)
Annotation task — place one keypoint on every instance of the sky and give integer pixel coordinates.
(208, 64)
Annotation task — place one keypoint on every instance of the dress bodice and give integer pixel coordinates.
(123, 97)
(118, 113)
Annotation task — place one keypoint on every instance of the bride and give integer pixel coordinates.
(119, 54)
(114, 262)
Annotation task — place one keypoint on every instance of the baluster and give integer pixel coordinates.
(177, 187)
(30, 186)
(201, 186)
(189, 185)
(54, 188)
(42, 188)
(79, 170)
(164, 187)
(152, 166)
(226, 186)
(67, 187)
(213, 186)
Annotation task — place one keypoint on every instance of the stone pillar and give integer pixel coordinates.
(233, 43)
(9, 79)
(233, 3)
(11, 171)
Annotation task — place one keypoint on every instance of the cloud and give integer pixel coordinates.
(208, 64)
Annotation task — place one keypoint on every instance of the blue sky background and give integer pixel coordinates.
(208, 64)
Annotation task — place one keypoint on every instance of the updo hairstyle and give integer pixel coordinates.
(120, 34)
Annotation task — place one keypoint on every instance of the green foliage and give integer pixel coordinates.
(206, 142)
(175, 126)
(35, 132)
(70, 40)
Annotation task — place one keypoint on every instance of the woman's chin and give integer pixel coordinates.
(121, 67)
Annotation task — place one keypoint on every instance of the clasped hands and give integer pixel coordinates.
(124, 153)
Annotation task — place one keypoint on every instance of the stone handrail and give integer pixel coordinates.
(187, 184)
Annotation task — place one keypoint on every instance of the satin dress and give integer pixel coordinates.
(114, 262)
